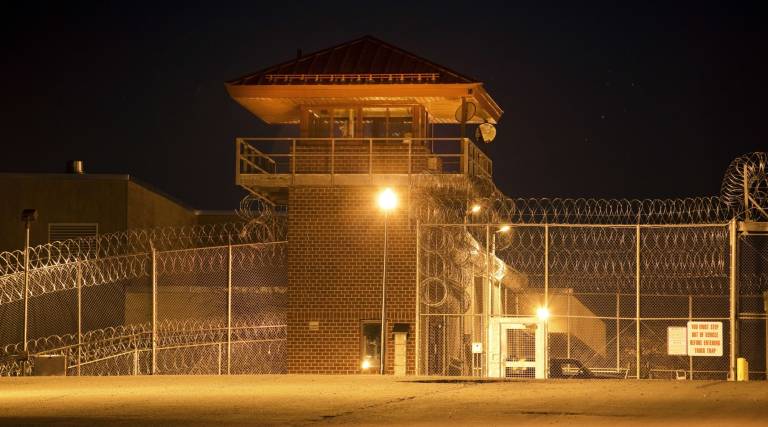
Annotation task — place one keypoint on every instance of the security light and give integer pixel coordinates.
(475, 208)
(29, 215)
(542, 313)
(387, 200)
(504, 228)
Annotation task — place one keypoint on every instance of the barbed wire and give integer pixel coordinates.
(441, 199)
(747, 176)
(174, 338)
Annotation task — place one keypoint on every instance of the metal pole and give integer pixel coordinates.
(568, 336)
(487, 304)
(546, 265)
(383, 300)
(690, 317)
(26, 287)
(229, 308)
(733, 303)
(637, 301)
(79, 318)
(154, 309)
(546, 298)
(745, 184)
(618, 327)
(418, 299)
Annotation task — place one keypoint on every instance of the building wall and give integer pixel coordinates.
(335, 265)
(59, 198)
(147, 208)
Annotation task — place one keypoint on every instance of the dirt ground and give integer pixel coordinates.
(373, 400)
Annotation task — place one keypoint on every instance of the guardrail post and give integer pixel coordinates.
(154, 308)
(237, 160)
(465, 156)
(293, 161)
(370, 158)
(410, 158)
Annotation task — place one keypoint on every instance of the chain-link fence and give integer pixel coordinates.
(617, 296)
(207, 300)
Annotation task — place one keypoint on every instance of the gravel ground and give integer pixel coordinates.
(373, 400)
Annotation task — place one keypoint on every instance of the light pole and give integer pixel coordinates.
(28, 216)
(387, 201)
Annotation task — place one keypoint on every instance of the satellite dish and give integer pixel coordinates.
(469, 109)
(486, 132)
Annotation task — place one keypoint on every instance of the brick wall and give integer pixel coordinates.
(335, 250)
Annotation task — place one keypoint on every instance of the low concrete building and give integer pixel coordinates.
(73, 205)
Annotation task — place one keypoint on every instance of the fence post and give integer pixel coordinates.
(136, 361)
(26, 290)
(487, 304)
(690, 317)
(229, 307)
(618, 331)
(418, 301)
(154, 308)
(637, 300)
(568, 326)
(733, 301)
(546, 265)
(79, 317)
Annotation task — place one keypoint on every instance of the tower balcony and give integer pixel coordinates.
(270, 165)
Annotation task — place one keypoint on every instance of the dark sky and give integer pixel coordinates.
(635, 102)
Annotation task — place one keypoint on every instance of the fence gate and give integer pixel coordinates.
(517, 348)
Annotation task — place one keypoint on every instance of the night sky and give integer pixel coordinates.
(645, 102)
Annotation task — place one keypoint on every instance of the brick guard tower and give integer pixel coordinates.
(363, 116)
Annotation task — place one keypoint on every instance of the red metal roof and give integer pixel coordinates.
(364, 60)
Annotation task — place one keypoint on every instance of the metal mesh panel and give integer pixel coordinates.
(593, 279)
(123, 305)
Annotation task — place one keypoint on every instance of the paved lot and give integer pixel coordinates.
(371, 400)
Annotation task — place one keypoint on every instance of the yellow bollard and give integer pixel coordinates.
(742, 369)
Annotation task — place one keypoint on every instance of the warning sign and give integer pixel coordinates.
(677, 337)
(705, 338)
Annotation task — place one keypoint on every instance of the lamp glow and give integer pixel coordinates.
(504, 228)
(542, 313)
(387, 200)
(475, 208)
(366, 364)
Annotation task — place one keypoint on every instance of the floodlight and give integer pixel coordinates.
(387, 200)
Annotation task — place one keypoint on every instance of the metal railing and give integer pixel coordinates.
(360, 156)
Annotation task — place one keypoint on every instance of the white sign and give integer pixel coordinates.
(677, 339)
(477, 347)
(705, 338)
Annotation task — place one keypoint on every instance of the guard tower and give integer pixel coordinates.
(361, 116)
